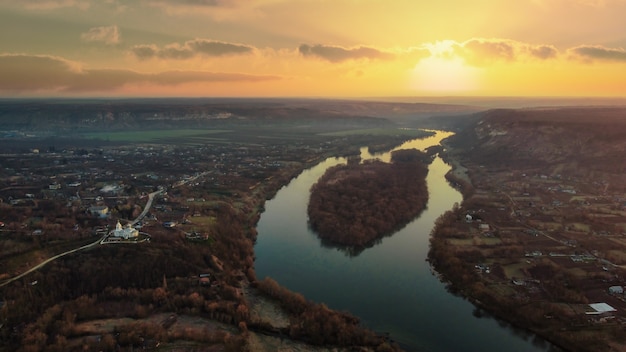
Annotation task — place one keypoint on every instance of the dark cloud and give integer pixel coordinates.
(190, 49)
(24, 72)
(27, 73)
(106, 34)
(215, 48)
(54, 4)
(211, 3)
(144, 52)
(595, 52)
(479, 52)
(193, 6)
(175, 52)
(339, 54)
(544, 52)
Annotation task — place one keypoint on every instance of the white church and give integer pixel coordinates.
(125, 232)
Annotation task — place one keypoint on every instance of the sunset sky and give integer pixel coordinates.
(314, 48)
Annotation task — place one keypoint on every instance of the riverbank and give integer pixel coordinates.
(376, 286)
(511, 249)
(455, 265)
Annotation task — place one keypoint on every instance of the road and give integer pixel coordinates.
(51, 259)
(40, 265)
(146, 209)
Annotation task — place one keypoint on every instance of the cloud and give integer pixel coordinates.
(54, 4)
(480, 51)
(192, 3)
(596, 52)
(144, 52)
(107, 34)
(21, 73)
(589, 3)
(26, 72)
(543, 51)
(190, 49)
(339, 54)
(215, 9)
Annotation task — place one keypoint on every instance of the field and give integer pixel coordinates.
(379, 131)
(155, 135)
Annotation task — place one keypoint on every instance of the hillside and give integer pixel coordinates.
(588, 142)
(539, 236)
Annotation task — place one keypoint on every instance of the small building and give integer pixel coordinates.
(99, 210)
(616, 290)
(170, 224)
(600, 308)
(125, 232)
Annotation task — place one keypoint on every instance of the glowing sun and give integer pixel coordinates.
(439, 74)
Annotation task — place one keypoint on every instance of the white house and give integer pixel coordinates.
(125, 232)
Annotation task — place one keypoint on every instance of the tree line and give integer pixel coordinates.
(356, 204)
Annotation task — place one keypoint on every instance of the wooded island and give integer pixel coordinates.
(356, 204)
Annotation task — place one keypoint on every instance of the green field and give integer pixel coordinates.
(515, 270)
(155, 135)
(203, 221)
(380, 131)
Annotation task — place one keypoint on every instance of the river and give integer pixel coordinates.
(390, 286)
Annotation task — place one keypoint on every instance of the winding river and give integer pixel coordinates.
(390, 286)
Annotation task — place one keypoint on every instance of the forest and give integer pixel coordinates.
(356, 204)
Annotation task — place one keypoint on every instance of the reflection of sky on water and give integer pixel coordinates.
(389, 286)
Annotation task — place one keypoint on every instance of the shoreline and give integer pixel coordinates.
(460, 178)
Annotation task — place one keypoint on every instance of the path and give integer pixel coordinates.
(42, 264)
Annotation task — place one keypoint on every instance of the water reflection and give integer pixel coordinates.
(365, 154)
(390, 286)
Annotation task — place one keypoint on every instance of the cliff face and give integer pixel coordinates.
(83, 115)
(563, 140)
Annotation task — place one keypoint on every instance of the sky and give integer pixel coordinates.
(312, 48)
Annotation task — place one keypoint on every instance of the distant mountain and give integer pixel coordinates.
(561, 140)
(95, 114)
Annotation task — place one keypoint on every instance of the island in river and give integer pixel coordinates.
(355, 205)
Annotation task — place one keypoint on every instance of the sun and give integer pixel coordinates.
(443, 71)
(439, 75)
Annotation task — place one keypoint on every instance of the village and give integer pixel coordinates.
(65, 196)
(180, 212)
(546, 225)
(540, 238)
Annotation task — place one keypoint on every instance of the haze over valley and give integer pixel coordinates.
(279, 175)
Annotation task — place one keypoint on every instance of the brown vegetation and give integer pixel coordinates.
(318, 325)
(536, 238)
(133, 283)
(356, 204)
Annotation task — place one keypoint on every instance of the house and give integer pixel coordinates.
(101, 211)
(54, 186)
(600, 308)
(616, 290)
(125, 232)
(170, 224)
